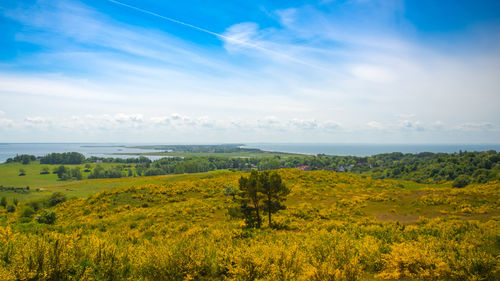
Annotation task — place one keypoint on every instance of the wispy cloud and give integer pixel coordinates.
(316, 73)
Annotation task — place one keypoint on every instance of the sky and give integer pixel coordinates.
(193, 71)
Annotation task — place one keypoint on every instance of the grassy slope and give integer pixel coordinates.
(323, 208)
(42, 185)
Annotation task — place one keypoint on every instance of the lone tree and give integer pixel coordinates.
(264, 192)
(275, 193)
(251, 199)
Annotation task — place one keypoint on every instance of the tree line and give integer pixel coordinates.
(423, 167)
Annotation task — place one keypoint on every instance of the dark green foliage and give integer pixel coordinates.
(15, 201)
(99, 172)
(153, 172)
(269, 164)
(45, 171)
(87, 167)
(230, 190)
(235, 212)
(461, 181)
(36, 204)
(434, 167)
(63, 158)
(15, 189)
(251, 216)
(3, 202)
(251, 199)
(139, 160)
(191, 164)
(46, 217)
(75, 173)
(27, 212)
(56, 198)
(113, 173)
(24, 159)
(275, 193)
(422, 167)
(10, 209)
(61, 172)
(261, 192)
(65, 173)
(22, 172)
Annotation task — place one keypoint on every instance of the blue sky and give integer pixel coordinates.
(250, 71)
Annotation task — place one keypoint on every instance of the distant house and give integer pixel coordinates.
(304, 168)
(343, 168)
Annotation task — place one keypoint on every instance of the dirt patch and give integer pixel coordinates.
(403, 218)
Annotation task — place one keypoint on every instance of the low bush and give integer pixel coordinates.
(46, 217)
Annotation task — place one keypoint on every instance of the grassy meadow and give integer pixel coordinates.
(42, 185)
(336, 226)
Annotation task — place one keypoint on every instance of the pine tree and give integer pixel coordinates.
(251, 198)
(275, 192)
(261, 192)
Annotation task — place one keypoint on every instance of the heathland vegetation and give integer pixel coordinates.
(386, 217)
(336, 226)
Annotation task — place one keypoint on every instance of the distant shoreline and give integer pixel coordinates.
(9, 150)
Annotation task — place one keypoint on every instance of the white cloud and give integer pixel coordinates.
(129, 118)
(36, 120)
(471, 126)
(373, 73)
(240, 35)
(6, 123)
(306, 125)
(375, 125)
(287, 16)
(108, 78)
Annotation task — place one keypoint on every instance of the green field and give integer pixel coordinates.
(41, 185)
(9, 174)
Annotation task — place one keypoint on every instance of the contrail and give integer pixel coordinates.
(221, 36)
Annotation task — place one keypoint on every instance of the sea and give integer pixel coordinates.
(8, 150)
(369, 149)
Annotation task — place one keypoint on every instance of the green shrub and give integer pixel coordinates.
(10, 209)
(45, 171)
(27, 212)
(461, 181)
(36, 204)
(56, 198)
(46, 217)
